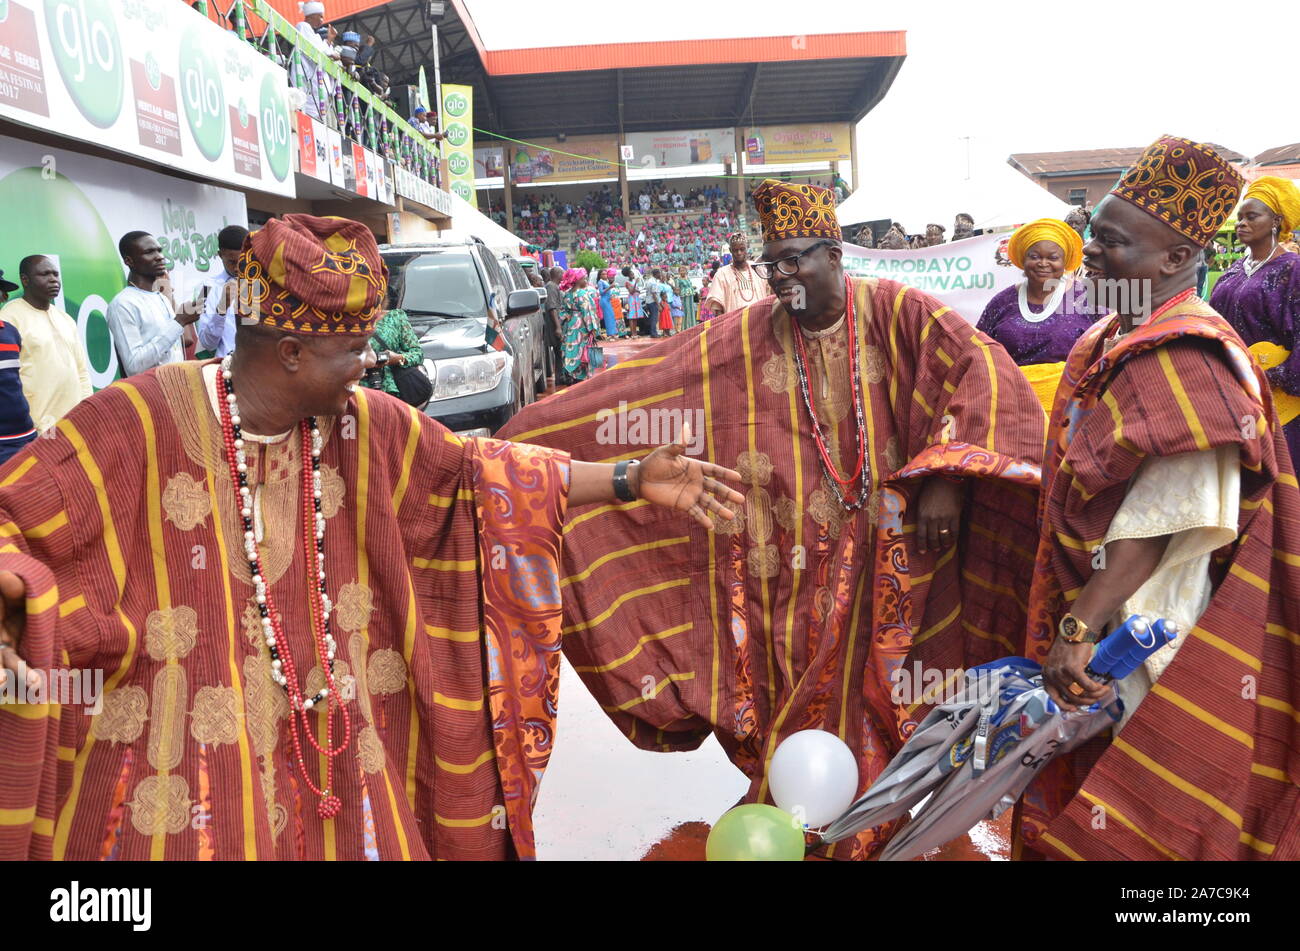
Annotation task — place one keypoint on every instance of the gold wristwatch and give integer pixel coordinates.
(1074, 631)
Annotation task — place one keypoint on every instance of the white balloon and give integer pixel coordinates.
(814, 776)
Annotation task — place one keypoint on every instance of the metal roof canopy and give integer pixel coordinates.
(638, 87)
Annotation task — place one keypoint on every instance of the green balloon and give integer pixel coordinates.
(755, 833)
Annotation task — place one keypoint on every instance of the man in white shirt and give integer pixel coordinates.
(147, 331)
(52, 363)
(216, 326)
(306, 72)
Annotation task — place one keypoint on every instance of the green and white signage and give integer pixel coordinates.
(458, 123)
(152, 78)
(74, 207)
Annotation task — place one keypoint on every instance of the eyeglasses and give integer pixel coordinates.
(787, 265)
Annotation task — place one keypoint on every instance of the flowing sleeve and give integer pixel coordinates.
(1286, 375)
(37, 545)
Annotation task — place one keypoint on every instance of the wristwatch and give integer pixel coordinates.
(1074, 631)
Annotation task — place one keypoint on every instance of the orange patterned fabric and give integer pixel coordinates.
(789, 210)
(798, 614)
(1185, 184)
(304, 274)
(442, 559)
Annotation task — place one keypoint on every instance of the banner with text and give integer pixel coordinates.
(151, 78)
(74, 207)
(688, 147)
(782, 144)
(964, 274)
(458, 123)
(576, 158)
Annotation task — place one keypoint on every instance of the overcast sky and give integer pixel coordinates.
(1015, 78)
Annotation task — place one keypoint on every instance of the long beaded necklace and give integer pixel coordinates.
(834, 479)
(744, 282)
(283, 671)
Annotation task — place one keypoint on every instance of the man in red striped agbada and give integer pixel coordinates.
(1168, 492)
(327, 626)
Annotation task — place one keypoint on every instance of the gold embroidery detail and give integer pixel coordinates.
(353, 608)
(764, 561)
(357, 651)
(776, 373)
(267, 706)
(826, 511)
(370, 750)
(186, 501)
(873, 507)
(786, 512)
(161, 805)
(253, 625)
(167, 718)
(315, 681)
(893, 455)
(215, 717)
(873, 364)
(758, 505)
(331, 491)
(729, 526)
(387, 673)
(171, 633)
(755, 468)
(122, 718)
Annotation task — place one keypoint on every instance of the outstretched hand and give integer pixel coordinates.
(669, 478)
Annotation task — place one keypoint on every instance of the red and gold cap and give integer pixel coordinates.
(303, 274)
(788, 210)
(1185, 184)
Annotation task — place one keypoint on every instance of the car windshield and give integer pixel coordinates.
(436, 284)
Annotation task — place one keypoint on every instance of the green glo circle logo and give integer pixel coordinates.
(84, 39)
(462, 189)
(455, 104)
(458, 163)
(457, 134)
(205, 103)
(275, 126)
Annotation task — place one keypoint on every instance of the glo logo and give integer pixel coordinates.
(86, 47)
(458, 163)
(275, 126)
(455, 104)
(462, 189)
(457, 134)
(205, 103)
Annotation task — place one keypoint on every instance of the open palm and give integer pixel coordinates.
(671, 479)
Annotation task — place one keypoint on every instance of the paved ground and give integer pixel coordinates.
(603, 798)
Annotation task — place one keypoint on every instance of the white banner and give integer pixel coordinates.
(963, 274)
(75, 208)
(684, 147)
(151, 78)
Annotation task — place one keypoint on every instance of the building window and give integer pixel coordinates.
(1078, 196)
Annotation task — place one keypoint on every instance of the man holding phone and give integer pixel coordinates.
(216, 325)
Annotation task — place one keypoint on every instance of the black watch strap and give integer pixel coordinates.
(622, 488)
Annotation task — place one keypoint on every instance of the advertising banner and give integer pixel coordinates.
(489, 162)
(313, 148)
(75, 208)
(682, 148)
(151, 78)
(784, 144)
(963, 274)
(458, 122)
(574, 159)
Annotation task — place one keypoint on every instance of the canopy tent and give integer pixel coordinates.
(997, 197)
(468, 222)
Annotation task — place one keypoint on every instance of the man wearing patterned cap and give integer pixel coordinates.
(1168, 492)
(328, 627)
(736, 284)
(890, 457)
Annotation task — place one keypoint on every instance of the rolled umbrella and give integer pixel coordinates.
(975, 755)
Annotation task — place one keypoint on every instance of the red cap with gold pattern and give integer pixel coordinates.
(789, 210)
(1185, 184)
(303, 274)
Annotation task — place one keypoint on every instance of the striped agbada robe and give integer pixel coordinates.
(1207, 768)
(441, 563)
(796, 614)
